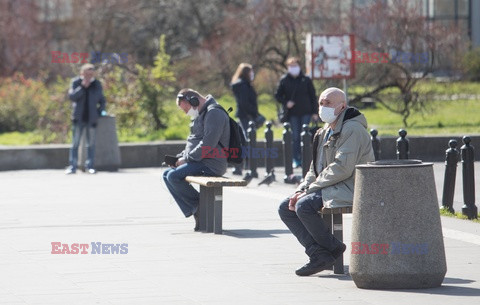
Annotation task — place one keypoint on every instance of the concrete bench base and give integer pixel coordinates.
(333, 218)
(211, 200)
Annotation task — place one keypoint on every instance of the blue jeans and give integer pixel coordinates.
(296, 123)
(307, 225)
(186, 196)
(78, 129)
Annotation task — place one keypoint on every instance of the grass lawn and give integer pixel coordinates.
(447, 118)
(459, 215)
(459, 117)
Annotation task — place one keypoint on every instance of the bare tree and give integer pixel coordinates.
(23, 38)
(399, 27)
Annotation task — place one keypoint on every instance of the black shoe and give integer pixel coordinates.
(197, 225)
(237, 172)
(315, 265)
(339, 251)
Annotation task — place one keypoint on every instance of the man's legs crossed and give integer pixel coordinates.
(307, 209)
(186, 196)
(309, 228)
(297, 228)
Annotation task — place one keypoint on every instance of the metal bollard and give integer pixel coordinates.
(451, 161)
(306, 138)
(252, 146)
(402, 145)
(287, 151)
(375, 144)
(469, 208)
(268, 148)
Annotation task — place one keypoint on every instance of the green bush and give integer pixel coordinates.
(471, 64)
(28, 105)
(19, 98)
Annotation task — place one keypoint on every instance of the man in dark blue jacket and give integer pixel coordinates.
(296, 93)
(88, 102)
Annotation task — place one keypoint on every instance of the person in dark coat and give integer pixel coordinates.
(245, 95)
(88, 102)
(246, 98)
(296, 93)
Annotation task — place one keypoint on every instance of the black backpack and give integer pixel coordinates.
(237, 139)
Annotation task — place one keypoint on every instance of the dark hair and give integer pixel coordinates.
(242, 72)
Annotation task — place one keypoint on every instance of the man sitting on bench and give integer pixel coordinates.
(340, 145)
(209, 128)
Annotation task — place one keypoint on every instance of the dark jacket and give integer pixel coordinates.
(300, 90)
(246, 99)
(96, 100)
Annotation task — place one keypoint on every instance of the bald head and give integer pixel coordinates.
(331, 98)
(334, 95)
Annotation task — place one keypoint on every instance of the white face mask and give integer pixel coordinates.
(252, 76)
(294, 70)
(327, 114)
(193, 113)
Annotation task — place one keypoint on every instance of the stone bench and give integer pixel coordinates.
(211, 200)
(333, 218)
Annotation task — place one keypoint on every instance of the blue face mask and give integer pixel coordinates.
(294, 70)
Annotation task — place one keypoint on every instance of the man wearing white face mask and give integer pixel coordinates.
(343, 143)
(209, 131)
(296, 93)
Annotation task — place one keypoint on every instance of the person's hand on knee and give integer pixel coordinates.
(294, 199)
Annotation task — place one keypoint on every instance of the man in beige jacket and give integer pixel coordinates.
(343, 143)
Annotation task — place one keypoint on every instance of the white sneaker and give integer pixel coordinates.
(69, 171)
(92, 171)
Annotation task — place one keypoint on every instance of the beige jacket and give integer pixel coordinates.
(348, 146)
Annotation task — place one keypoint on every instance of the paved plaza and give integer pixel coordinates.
(253, 262)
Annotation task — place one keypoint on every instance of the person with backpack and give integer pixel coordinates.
(204, 153)
(296, 93)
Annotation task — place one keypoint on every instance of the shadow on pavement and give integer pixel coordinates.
(450, 290)
(446, 289)
(341, 277)
(453, 280)
(247, 233)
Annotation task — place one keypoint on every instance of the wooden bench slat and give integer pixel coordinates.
(342, 210)
(215, 181)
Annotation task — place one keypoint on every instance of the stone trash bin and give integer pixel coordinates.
(107, 152)
(397, 239)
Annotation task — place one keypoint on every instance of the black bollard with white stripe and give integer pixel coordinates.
(451, 161)
(402, 145)
(375, 144)
(287, 151)
(469, 208)
(306, 138)
(252, 147)
(268, 148)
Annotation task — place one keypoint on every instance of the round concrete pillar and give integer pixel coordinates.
(397, 239)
